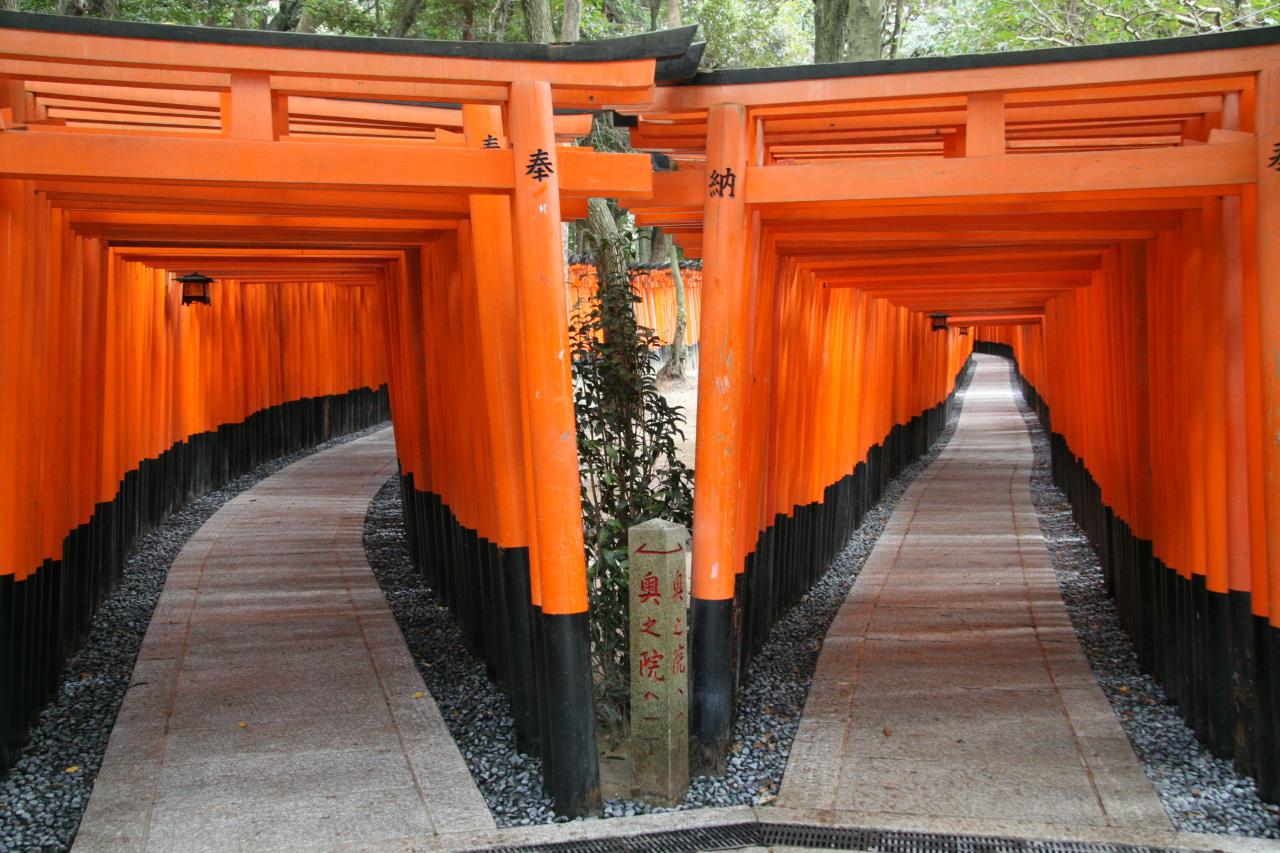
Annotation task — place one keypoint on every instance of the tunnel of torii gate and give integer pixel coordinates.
(1102, 215)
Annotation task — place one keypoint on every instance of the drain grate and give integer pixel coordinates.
(900, 841)
(731, 836)
(735, 836)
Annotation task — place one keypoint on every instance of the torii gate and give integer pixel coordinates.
(1071, 205)
(132, 152)
(1105, 211)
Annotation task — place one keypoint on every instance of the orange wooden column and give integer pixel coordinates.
(499, 316)
(1267, 129)
(721, 405)
(570, 765)
(1238, 323)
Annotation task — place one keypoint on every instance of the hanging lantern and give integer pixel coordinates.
(195, 288)
(964, 331)
(939, 322)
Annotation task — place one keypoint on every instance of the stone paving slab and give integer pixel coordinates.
(951, 688)
(274, 704)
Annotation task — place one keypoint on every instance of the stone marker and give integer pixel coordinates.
(659, 661)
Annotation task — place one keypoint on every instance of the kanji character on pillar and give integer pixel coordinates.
(539, 165)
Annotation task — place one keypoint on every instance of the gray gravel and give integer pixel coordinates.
(479, 717)
(1201, 793)
(43, 799)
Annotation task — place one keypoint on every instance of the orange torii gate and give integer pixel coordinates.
(1105, 215)
(1101, 212)
(364, 231)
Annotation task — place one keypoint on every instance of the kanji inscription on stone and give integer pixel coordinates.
(659, 655)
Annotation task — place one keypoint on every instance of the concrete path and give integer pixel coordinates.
(951, 685)
(274, 704)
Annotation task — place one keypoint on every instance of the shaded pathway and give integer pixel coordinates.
(274, 704)
(951, 684)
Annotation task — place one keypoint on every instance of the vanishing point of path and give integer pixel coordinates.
(274, 704)
(951, 692)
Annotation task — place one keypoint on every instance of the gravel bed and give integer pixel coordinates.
(1201, 793)
(478, 714)
(46, 792)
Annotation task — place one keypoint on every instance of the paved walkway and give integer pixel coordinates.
(951, 685)
(274, 704)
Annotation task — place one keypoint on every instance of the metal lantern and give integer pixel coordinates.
(195, 288)
(939, 322)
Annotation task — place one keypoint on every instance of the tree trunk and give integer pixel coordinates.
(91, 8)
(537, 21)
(830, 17)
(240, 18)
(499, 31)
(674, 368)
(862, 32)
(307, 21)
(571, 21)
(896, 36)
(469, 21)
(617, 314)
(644, 245)
(673, 14)
(661, 246)
(286, 19)
(404, 14)
(602, 228)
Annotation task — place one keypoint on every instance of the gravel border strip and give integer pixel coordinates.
(43, 798)
(1201, 793)
(479, 717)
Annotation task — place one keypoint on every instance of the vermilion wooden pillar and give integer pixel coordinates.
(721, 404)
(500, 329)
(571, 767)
(1268, 219)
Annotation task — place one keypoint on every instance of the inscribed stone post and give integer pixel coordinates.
(659, 661)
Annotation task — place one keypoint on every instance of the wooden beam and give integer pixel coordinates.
(1207, 167)
(381, 166)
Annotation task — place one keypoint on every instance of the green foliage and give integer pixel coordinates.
(740, 33)
(753, 33)
(946, 27)
(627, 436)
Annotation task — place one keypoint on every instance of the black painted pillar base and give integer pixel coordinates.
(710, 685)
(522, 674)
(571, 764)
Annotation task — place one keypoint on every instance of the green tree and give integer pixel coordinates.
(944, 27)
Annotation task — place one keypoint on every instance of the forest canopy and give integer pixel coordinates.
(739, 33)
